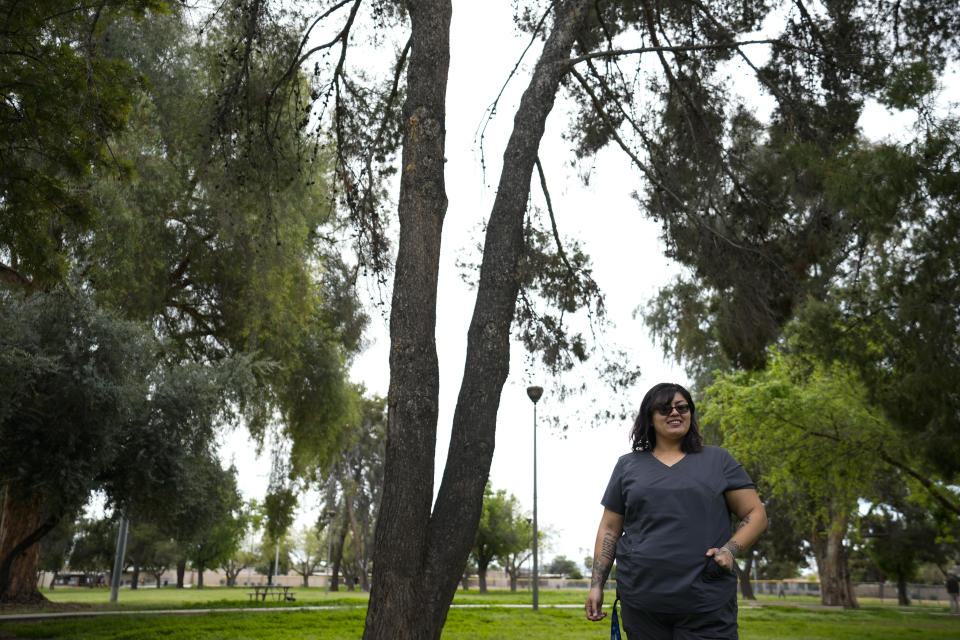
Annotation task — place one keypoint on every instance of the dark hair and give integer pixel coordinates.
(644, 436)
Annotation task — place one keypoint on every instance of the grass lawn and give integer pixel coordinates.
(777, 621)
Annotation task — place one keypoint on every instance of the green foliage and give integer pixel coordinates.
(354, 486)
(151, 549)
(87, 406)
(94, 545)
(219, 239)
(504, 534)
(64, 96)
(903, 531)
(810, 433)
(556, 282)
(56, 545)
(562, 565)
(225, 520)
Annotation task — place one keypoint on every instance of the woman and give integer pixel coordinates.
(666, 520)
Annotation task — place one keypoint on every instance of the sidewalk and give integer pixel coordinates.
(26, 617)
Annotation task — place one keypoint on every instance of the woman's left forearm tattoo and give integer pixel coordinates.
(732, 545)
(603, 561)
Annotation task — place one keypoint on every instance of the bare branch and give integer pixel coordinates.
(553, 220)
(491, 111)
(616, 53)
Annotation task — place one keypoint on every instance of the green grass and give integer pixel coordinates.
(208, 597)
(776, 621)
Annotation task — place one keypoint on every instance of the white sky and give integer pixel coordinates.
(628, 265)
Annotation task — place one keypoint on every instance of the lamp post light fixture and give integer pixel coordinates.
(534, 393)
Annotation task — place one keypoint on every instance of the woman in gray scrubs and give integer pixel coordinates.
(666, 520)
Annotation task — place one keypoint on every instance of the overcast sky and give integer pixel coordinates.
(629, 265)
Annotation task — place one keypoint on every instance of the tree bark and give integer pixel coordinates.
(419, 557)
(337, 559)
(836, 588)
(903, 599)
(746, 587)
(135, 578)
(357, 545)
(482, 578)
(22, 525)
(200, 567)
(181, 570)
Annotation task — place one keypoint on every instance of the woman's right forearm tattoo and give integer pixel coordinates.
(603, 561)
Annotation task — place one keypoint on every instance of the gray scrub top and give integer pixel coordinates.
(672, 515)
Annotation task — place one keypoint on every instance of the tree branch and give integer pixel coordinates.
(615, 53)
(491, 111)
(553, 220)
(11, 275)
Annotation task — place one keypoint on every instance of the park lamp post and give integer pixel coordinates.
(118, 558)
(331, 513)
(534, 393)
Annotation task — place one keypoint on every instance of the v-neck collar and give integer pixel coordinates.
(669, 466)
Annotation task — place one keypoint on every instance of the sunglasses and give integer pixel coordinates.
(666, 409)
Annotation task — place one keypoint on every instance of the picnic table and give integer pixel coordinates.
(262, 592)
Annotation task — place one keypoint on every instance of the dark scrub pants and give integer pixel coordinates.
(720, 624)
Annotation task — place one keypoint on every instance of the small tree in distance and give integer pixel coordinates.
(308, 552)
(504, 534)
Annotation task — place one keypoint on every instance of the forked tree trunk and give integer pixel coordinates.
(21, 527)
(420, 556)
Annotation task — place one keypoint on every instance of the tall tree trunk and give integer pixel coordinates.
(135, 578)
(338, 559)
(836, 588)
(357, 545)
(482, 578)
(200, 567)
(22, 526)
(419, 557)
(181, 571)
(903, 599)
(746, 587)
